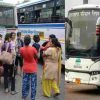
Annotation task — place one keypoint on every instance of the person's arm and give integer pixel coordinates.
(45, 47)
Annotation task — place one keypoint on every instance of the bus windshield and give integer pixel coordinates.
(82, 40)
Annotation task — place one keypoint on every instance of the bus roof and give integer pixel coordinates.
(30, 3)
(85, 6)
(3, 4)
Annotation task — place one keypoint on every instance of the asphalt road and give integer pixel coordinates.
(81, 92)
(39, 95)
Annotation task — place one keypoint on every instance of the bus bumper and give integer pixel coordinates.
(82, 78)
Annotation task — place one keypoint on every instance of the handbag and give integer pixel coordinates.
(6, 57)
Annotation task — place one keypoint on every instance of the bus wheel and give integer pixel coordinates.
(98, 87)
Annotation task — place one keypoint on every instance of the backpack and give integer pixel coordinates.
(37, 47)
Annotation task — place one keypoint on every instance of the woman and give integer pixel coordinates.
(8, 68)
(52, 69)
(45, 45)
(29, 55)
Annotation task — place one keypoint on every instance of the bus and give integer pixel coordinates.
(82, 64)
(8, 18)
(72, 3)
(43, 18)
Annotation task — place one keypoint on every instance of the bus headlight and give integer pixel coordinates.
(94, 78)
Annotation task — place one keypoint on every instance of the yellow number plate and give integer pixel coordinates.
(77, 81)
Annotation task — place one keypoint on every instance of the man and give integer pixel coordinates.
(1, 43)
(98, 36)
(19, 44)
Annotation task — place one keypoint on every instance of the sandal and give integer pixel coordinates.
(13, 92)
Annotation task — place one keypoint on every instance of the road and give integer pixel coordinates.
(39, 95)
(81, 92)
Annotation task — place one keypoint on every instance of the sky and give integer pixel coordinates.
(15, 1)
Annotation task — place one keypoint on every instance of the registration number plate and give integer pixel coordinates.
(77, 81)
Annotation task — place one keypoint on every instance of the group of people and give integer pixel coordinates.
(27, 57)
(10, 45)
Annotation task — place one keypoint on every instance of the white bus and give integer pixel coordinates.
(82, 62)
(72, 3)
(8, 18)
(44, 17)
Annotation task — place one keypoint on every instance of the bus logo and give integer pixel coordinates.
(77, 63)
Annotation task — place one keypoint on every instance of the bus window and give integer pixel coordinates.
(46, 13)
(8, 16)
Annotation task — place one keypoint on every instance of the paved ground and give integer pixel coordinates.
(81, 92)
(39, 96)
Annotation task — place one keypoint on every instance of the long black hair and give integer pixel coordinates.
(55, 42)
(52, 36)
(7, 36)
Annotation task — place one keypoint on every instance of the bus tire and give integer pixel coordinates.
(98, 87)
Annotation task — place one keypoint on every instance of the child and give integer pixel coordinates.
(36, 44)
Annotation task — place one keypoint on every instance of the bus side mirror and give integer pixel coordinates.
(71, 28)
(70, 33)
